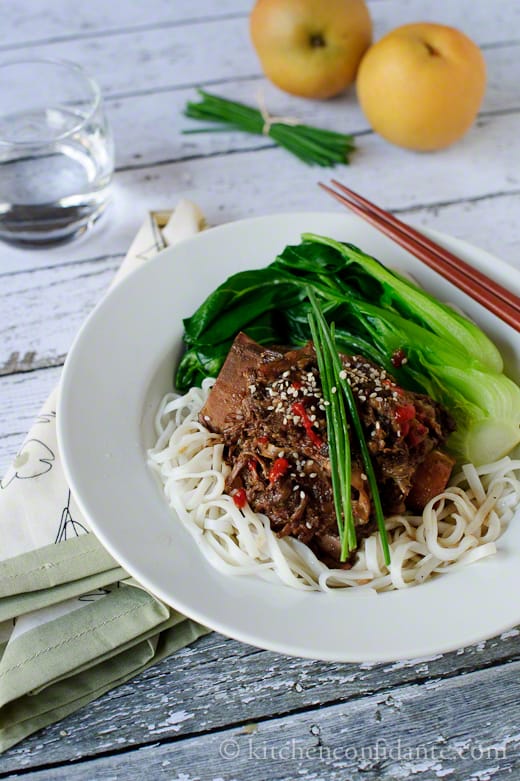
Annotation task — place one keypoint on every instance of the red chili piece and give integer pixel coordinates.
(251, 465)
(403, 416)
(278, 469)
(240, 498)
(298, 409)
(406, 412)
(398, 358)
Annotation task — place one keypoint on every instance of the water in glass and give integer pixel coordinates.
(56, 162)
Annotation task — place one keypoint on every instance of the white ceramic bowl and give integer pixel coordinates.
(122, 363)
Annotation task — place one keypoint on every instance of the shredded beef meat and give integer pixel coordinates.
(268, 406)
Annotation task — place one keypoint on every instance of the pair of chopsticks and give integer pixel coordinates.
(503, 303)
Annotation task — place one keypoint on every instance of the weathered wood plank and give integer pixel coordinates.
(219, 184)
(64, 296)
(96, 18)
(148, 127)
(73, 20)
(149, 59)
(172, 55)
(417, 731)
(450, 176)
(217, 682)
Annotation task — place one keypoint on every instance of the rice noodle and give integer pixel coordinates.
(456, 528)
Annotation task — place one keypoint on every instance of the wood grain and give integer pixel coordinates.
(79, 20)
(217, 682)
(52, 304)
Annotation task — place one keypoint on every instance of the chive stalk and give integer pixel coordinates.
(338, 432)
(315, 146)
(339, 454)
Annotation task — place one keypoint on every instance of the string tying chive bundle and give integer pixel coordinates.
(314, 146)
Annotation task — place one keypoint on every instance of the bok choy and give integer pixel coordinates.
(377, 313)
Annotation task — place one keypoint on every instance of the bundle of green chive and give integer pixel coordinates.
(339, 407)
(314, 146)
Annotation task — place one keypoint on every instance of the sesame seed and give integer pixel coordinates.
(313, 475)
(333, 389)
(207, 417)
(363, 476)
(327, 403)
(302, 494)
(286, 374)
(343, 374)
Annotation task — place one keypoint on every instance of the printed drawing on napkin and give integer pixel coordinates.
(36, 507)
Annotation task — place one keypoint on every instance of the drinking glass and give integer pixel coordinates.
(56, 152)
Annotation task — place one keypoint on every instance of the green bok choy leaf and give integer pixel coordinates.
(377, 312)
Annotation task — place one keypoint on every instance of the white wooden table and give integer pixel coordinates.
(219, 709)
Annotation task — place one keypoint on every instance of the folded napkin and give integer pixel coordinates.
(72, 623)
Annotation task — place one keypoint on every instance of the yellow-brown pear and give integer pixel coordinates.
(310, 48)
(421, 86)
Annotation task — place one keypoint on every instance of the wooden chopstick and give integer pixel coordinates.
(447, 256)
(494, 297)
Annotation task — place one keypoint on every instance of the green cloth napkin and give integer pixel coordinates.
(73, 624)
